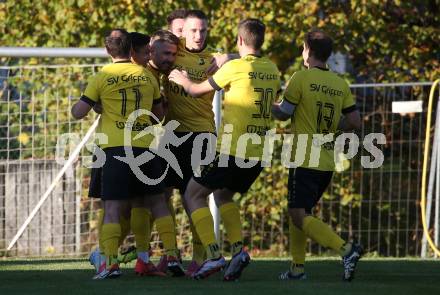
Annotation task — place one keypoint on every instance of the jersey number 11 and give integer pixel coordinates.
(137, 95)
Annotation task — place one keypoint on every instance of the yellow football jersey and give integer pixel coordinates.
(251, 85)
(320, 97)
(122, 88)
(193, 114)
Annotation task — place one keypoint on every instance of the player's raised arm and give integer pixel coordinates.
(193, 89)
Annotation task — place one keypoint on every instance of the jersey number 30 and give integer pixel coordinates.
(264, 103)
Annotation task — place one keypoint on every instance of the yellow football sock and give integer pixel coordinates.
(213, 251)
(100, 222)
(125, 228)
(199, 253)
(139, 226)
(323, 234)
(167, 233)
(230, 215)
(297, 241)
(111, 232)
(204, 224)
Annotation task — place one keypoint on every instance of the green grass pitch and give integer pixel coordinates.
(373, 277)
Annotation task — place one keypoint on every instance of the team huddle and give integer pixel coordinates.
(169, 78)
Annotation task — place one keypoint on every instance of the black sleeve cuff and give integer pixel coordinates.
(286, 99)
(87, 100)
(157, 100)
(213, 84)
(349, 109)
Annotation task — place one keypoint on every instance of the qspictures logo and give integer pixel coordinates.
(341, 147)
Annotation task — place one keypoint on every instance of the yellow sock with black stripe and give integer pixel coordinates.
(139, 227)
(323, 234)
(199, 253)
(297, 245)
(167, 233)
(204, 224)
(213, 251)
(111, 232)
(100, 222)
(125, 228)
(230, 215)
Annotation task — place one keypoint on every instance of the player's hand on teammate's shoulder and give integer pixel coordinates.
(178, 77)
(219, 60)
(216, 62)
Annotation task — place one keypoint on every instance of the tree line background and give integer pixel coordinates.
(384, 40)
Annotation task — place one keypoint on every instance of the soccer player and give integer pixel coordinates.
(251, 84)
(175, 21)
(163, 46)
(122, 88)
(139, 54)
(138, 219)
(318, 103)
(194, 115)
